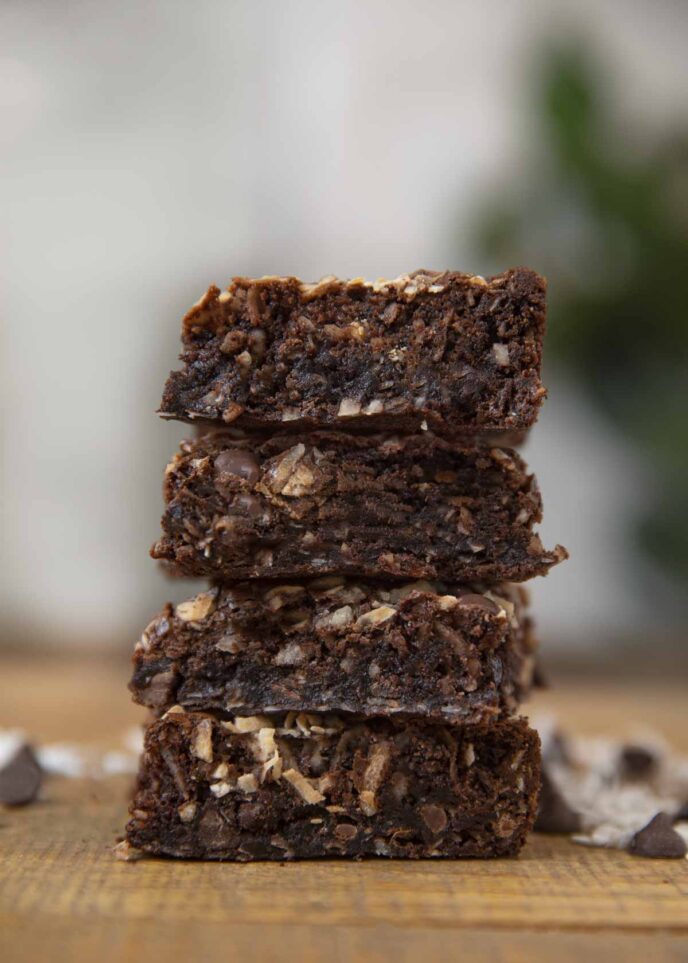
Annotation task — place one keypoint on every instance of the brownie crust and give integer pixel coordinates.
(453, 351)
(404, 507)
(301, 786)
(341, 645)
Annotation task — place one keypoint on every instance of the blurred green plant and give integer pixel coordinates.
(604, 215)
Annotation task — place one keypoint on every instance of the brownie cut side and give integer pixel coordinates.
(300, 785)
(403, 507)
(454, 351)
(342, 645)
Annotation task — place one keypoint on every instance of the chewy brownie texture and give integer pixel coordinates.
(301, 785)
(454, 351)
(403, 507)
(341, 645)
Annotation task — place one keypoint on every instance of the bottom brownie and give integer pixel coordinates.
(294, 786)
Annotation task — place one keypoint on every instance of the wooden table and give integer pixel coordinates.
(64, 898)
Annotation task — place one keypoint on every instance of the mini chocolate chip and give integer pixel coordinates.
(637, 762)
(470, 599)
(658, 840)
(682, 814)
(20, 778)
(540, 680)
(234, 461)
(555, 815)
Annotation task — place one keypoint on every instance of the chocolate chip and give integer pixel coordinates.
(471, 600)
(637, 762)
(658, 840)
(234, 461)
(682, 814)
(250, 816)
(213, 833)
(540, 680)
(345, 831)
(555, 815)
(160, 689)
(247, 504)
(20, 778)
(434, 817)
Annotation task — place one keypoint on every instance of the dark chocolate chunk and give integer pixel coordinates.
(658, 840)
(555, 815)
(20, 778)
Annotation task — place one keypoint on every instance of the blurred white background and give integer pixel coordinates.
(150, 148)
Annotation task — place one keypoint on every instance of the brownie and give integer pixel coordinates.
(336, 644)
(456, 352)
(302, 785)
(403, 507)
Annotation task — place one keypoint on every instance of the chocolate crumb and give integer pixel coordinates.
(20, 778)
(555, 815)
(658, 840)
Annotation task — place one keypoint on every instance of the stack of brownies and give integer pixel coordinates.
(348, 684)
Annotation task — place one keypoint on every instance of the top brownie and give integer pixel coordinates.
(448, 351)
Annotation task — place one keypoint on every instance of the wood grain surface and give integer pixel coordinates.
(63, 896)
